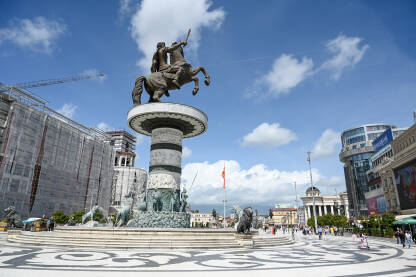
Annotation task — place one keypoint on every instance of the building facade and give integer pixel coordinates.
(128, 182)
(284, 217)
(356, 153)
(202, 220)
(381, 196)
(402, 171)
(49, 162)
(333, 204)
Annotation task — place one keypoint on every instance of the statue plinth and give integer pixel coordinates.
(168, 124)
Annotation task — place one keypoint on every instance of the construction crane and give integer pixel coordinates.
(20, 93)
(43, 83)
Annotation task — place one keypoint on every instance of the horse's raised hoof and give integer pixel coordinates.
(195, 91)
(207, 81)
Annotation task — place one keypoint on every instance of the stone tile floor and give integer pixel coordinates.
(332, 256)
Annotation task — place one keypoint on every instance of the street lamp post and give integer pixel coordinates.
(313, 192)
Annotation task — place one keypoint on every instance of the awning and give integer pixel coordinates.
(31, 219)
(398, 217)
(408, 220)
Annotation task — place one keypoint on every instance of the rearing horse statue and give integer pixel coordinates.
(173, 76)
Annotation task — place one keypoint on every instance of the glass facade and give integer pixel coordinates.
(357, 165)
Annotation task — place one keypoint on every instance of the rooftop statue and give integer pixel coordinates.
(167, 76)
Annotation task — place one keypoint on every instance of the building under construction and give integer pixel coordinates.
(49, 162)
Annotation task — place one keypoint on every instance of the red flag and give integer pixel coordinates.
(223, 175)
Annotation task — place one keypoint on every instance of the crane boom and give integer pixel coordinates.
(42, 83)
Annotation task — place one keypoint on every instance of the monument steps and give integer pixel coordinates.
(123, 244)
(273, 241)
(136, 239)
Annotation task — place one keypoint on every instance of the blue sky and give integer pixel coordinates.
(287, 77)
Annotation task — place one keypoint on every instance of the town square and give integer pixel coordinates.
(201, 137)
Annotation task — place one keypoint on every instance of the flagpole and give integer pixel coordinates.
(225, 197)
(225, 200)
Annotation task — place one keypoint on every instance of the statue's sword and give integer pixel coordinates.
(189, 32)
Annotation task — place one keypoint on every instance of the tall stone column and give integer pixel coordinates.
(165, 169)
(325, 209)
(332, 209)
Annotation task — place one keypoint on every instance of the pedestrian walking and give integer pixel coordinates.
(408, 238)
(51, 224)
(402, 238)
(363, 239)
(320, 233)
(397, 235)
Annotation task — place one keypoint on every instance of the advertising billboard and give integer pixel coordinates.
(384, 139)
(372, 205)
(406, 185)
(376, 205)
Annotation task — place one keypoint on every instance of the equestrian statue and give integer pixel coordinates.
(168, 76)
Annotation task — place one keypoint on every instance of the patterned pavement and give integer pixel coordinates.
(333, 256)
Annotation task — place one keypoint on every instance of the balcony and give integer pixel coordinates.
(348, 153)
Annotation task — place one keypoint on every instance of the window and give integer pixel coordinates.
(355, 139)
(123, 161)
(14, 185)
(373, 136)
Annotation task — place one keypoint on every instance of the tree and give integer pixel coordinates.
(340, 220)
(326, 220)
(60, 217)
(387, 220)
(311, 221)
(374, 221)
(364, 221)
(214, 213)
(77, 216)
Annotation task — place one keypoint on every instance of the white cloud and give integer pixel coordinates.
(99, 78)
(169, 21)
(105, 127)
(327, 144)
(186, 152)
(287, 72)
(347, 53)
(68, 110)
(38, 34)
(331, 185)
(269, 135)
(257, 184)
(125, 8)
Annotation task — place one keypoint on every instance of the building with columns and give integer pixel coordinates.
(284, 217)
(128, 181)
(334, 204)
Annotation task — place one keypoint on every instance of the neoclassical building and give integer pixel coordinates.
(334, 204)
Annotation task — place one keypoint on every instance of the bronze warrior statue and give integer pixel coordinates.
(164, 76)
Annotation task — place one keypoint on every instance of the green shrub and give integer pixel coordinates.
(389, 232)
(60, 217)
(356, 230)
(99, 217)
(376, 232)
(78, 216)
